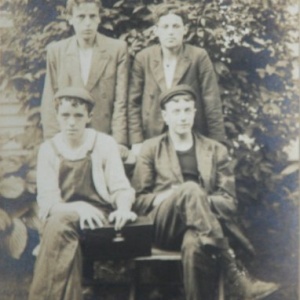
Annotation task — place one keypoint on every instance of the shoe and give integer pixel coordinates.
(253, 289)
(246, 287)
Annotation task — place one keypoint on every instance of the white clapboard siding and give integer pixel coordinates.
(12, 118)
(10, 109)
(16, 120)
(12, 123)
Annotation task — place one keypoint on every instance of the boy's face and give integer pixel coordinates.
(179, 115)
(170, 31)
(85, 20)
(72, 119)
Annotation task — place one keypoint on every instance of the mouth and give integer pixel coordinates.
(87, 31)
(71, 131)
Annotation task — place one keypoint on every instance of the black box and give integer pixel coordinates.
(135, 239)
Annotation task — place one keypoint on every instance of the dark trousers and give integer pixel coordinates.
(185, 221)
(57, 274)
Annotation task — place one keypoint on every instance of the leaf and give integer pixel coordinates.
(10, 165)
(119, 4)
(5, 222)
(15, 243)
(221, 68)
(290, 169)
(138, 8)
(12, 187)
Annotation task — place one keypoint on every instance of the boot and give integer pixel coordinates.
(246, 287)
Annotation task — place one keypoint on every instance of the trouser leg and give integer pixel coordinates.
(185, 221)
(186, 208)
(200, 269)
(57, 274)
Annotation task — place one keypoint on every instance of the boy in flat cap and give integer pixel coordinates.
(93, 61)
(81, 184)
(185, 183)
(160, 67)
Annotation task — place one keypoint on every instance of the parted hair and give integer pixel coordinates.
(169, 8)
(71, 3)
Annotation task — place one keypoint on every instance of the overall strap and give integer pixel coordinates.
(94, 144)
(55, 149)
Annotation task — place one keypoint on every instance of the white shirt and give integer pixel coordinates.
(108, 173)
(169, 69)
(85, 57)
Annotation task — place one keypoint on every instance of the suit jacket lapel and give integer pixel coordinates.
(183, 64)
(204, 158)
(72, 63)
(157, 69)
(100, 59)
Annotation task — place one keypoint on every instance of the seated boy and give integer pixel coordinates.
(81, 184)
(185, 183)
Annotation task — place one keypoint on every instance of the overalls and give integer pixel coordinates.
(58, 268)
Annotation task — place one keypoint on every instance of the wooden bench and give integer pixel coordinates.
(163, 256)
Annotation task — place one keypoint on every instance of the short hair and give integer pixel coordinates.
(165, 9)
(74, 102)
(177, 97)
(71, 3)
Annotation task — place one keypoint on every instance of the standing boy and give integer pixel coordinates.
(185, 183)
(81, 184)
(160, 67)
(91, 60)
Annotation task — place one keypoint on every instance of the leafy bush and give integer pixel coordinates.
(248, 42)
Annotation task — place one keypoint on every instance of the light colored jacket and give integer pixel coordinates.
(107, 83)
(108, 173)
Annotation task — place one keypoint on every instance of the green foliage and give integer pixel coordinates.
(248, 42)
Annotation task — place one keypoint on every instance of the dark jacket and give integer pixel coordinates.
(157, 169)
(147, 82)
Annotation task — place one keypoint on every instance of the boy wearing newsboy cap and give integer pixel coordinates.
(81, 184)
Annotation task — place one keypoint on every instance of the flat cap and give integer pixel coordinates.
(181, 89)
(76, 92)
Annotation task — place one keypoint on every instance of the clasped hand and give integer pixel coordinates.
(91, 217)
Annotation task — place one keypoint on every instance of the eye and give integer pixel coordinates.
(78, 116)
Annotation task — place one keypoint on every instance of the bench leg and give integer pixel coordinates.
(221, 292)
(134, 281)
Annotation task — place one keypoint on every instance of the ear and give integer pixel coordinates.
(164, 115)
(90, 116)
(186, 29)
(70, 20)
(155, 29)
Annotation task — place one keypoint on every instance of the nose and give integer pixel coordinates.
(71, 122)
(182, 115)
(87, 21)
(170, 30)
